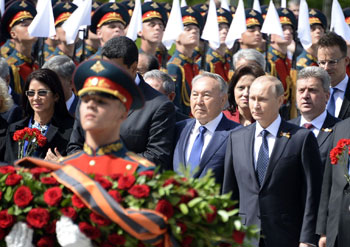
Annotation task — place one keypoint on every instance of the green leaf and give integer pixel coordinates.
(65, 202)
(224, 215)
(17, 211)
(194, 201)
(174, 200)
(27, 209)
(183, 208)
(8, 194)
(10, 210)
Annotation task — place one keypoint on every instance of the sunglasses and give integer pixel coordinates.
(42, 93)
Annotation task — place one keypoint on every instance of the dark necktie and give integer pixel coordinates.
(263, 157)
(308, 126)
(197, 147)
(331, 102)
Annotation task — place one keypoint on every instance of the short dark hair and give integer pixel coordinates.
(332, 39)
(50, 79)
(152, 61)
(121, 47)
(241, 71)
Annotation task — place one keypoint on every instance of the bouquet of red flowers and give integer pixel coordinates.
(196, 214)
(34, 139)
(340, 154)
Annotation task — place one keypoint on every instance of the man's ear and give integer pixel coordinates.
(13, 33)
(133, 68)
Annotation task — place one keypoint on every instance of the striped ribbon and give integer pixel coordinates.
(146, 225)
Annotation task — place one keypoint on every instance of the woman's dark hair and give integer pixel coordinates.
(50, 79)
(241, 71)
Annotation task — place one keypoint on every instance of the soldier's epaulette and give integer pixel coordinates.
(309, 56)
(302, 62)
(141, 160)
(11, 60)
(4, 50)
(176, 61)
(209, 57)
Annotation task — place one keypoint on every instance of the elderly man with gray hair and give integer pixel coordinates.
(248, 56)
(64, 68)
(164, 84)
(201, 141)
(312, 96)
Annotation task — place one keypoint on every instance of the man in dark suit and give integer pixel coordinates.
(149, 131)
(64, 68)
(334, 213)
(208, 98)
(312, 96)
(332, 57)
(271, 167)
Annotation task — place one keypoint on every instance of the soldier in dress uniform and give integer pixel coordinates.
(202, 47)
(92, 43)
(318, 26)
(62, 12)
(129, 5)
(181, 66)
(218, 60)
(109, 20)
(15, 22)
(154, 19)
(7, 48)
(252, 38)
(107, 93)
(279, 63)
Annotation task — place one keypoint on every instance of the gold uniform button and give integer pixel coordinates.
(128, 167)
(92, 163)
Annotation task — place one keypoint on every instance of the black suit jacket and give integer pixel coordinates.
(345, 107)
(14, 114)
(148, 132)
(285, 206)
(74, 105)
(214, 155)
(57, 135)
(324, 138)
(334, 183)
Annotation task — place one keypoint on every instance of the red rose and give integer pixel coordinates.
(13, 179)
(99, 220)
(182, 226)
(46, 242)
(116, 195)
(211, 216)
(69, 212)
(116, 239)
(187, 241)
(38, 217)
(165, 207)
(171, 181)
(6, 220)
(105, 183)
(23, 196)
(148, 174)
(50, 228)
(125, 182)
(18, 135)
(116, 176)
(139, 191)
(191, 194)
(48, 180)
(77, 202)
(38, 170)
(238, 237)
(7, 169)
(89, 230)
(2, 234)
(53, 196)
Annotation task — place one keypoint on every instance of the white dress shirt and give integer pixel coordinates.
(316, 122)
(339, 95)
(210, 126)
(271, 137)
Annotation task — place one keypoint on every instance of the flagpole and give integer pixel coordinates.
(83, 48)
(267, 67)
(204, 56)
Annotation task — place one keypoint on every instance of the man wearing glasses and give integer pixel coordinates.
(331, 55)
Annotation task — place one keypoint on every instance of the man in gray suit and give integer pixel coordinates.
(271, 167)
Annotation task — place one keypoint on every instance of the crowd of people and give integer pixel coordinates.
(107, 106)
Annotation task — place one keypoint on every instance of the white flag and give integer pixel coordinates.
(284, 4)
(338, 24)
(174, 27)
(43, 24)
(80, 17)
(2, 7)
(183, 3)
(211, 28)
(238, 25)
(272, 24)
(224, 5)
(256, 6)
(304, 32)
(136, 21)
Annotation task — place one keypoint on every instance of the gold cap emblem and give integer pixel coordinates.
(312, 12)
(114, 6)
(97, 67)
(252, 13)
(285, 11)
(189, 10)
(23, 4)
(155, 5)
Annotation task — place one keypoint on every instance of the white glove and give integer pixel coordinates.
(69, 235)
(20, 236)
